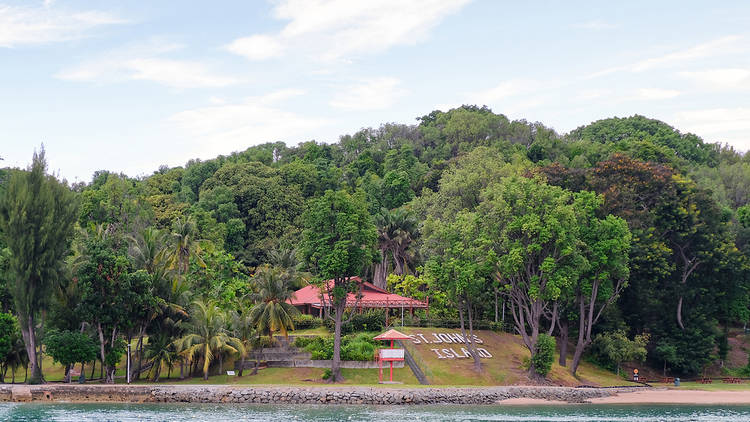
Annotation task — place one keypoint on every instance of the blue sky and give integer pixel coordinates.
(129, 86)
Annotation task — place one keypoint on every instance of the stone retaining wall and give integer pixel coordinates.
(303, 395)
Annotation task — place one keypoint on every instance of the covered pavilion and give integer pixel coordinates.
(312, 301)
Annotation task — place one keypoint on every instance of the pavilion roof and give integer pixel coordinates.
(372, 297)
(392, 335)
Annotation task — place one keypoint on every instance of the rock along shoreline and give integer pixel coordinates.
(298, 394)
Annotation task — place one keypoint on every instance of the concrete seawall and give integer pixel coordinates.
(299, 395)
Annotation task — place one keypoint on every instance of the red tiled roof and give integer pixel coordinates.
(392, 335)
(372, 297)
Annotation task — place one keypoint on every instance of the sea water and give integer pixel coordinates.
(308, 413)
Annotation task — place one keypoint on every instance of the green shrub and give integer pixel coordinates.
(303, 321)
(612, 348)
(545, 354)
(353, 347)
(327, 374)
(302, 342)
(359, 347)
(372, 320)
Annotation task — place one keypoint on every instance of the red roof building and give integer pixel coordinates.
(310, 300)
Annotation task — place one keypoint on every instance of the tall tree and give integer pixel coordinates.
(272, 312)
(605, 245)
(397, 230)
(338, 242)
(37, 214)
(185, 245)
(535, 235)
(461, 264)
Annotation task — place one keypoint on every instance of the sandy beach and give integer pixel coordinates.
(674, 396)
(652, 396)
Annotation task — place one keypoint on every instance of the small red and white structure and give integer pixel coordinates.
(389, 355)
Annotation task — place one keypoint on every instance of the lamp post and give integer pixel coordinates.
(128, 363)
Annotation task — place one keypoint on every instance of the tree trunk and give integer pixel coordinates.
(469, 340)
(182, 369)
(157, 371)
(139, 353)
(398, 263)
(221, 363)
(496, 302)
(336, 361)
(206, 362)
(93, 369)
(67, 373)
(563, 341)
(29, 340)
(101, 348)
(679, 314)
(381, 271)
(242, 364)
(581, 343)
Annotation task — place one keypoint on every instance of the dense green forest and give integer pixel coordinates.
(625, 225)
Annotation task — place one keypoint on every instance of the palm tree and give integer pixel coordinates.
(161, 351)
(396, 232)
(272, 311)
(207, 335)
(185, 246)
(148, 249)
(243, 327)
(291, 266)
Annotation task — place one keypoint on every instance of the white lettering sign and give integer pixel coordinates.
(457, 352)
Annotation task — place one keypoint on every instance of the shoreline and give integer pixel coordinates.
(297, 395)
(348, 395)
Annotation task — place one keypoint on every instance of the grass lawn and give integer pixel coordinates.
(298, 376)
(717, 385)
(503, 368)
(318, 331)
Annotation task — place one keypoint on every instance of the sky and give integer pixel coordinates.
(129, 86)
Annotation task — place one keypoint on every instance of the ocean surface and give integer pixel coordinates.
(307, 413)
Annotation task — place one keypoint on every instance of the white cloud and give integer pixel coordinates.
(257, 47)
(504, 90)
(721, 46)
(596, 25)
(373, 94)
(656, 94)
(730, 125)
(42, 25)
(229, 127)
(334, 29)
(592, 94)
(144, 62)
(727, 78)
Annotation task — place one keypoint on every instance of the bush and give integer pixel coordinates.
(545, 354)
(327, 374)
(613, 348)
(372, 320)
(357, 347)
(360, 347)
(303, 321)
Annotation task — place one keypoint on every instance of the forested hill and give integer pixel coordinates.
(684, 267)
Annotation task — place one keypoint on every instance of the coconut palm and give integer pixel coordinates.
(161, 351)
(185, 245)
(243, 327)
(207, 335)
(272, 311)
(291, 266)
(148, 249)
